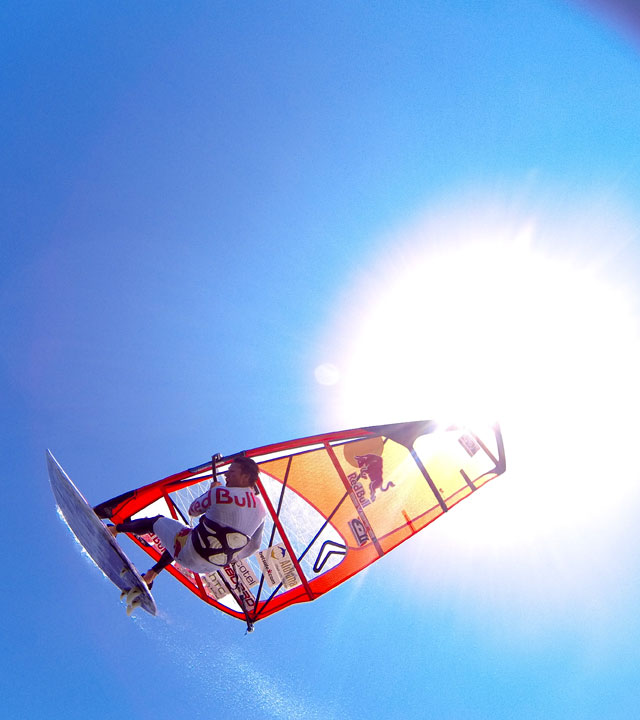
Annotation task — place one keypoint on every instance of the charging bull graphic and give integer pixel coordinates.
(371, 469)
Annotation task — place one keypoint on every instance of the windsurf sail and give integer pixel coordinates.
(336, 503)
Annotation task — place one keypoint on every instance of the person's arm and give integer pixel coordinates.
(254, 542)
(202, 503)
(153, 573)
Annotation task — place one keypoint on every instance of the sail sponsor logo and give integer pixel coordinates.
(239, 587)
(215, 583)
(290, 577)
(359, 531)
(268, 570)
(245, 573)
(469, 444)
(277, 567)
(370, 467)
(154, 541)
(358, 489)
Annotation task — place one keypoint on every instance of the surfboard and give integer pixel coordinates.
(98, 542)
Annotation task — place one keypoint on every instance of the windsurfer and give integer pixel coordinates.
(229, 529)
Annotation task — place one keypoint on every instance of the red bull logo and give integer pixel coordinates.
(358, 489)
(180, 541)
(241, 499)
(222, 496)
(371, 469)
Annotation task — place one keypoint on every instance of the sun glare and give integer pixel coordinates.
(492, 326)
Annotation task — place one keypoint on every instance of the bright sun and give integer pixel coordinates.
(481, 323)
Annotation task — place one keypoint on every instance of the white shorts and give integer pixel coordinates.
(168, 531)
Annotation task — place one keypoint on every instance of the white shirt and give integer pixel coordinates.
(238, 509)
(234, 507)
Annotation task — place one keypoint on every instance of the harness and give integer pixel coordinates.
(217, 544)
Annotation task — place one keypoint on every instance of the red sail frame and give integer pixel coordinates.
(408, 491)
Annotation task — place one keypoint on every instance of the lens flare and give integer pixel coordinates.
(490, 321)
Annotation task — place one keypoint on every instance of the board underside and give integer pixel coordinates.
(94, 537)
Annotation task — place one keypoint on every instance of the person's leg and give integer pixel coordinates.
(141, 526)
(166, 530)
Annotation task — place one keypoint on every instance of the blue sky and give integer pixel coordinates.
(226, 225)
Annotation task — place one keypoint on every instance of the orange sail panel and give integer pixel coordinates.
(336, 503)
